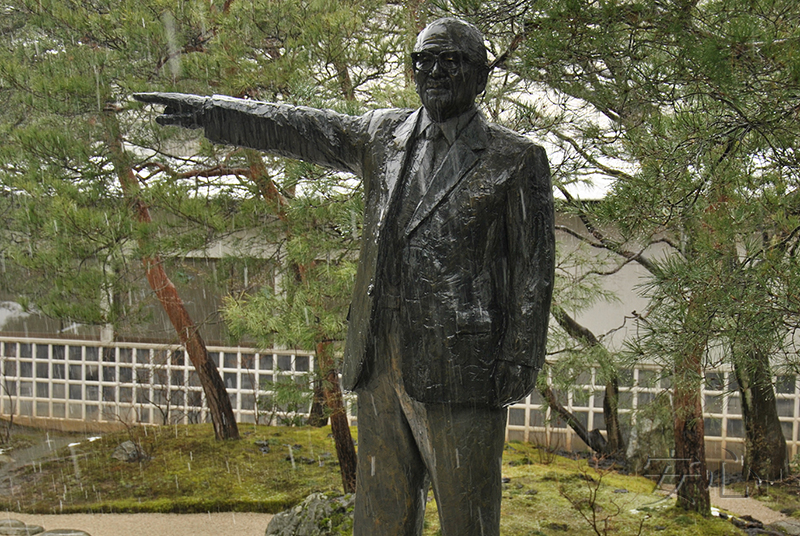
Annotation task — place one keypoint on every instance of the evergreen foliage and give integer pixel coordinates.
(687, 110)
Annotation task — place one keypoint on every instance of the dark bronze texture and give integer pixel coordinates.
(450, 307)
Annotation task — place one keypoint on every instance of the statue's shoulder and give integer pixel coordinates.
(392, 114)
(508, 146)
(386, 117)
(505, 139)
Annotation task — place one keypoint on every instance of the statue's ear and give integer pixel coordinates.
(483, 78)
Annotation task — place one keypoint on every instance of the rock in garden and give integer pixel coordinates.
(64, 532)
(319, 514)
(13, 527)
(790, 527)
(128, 452)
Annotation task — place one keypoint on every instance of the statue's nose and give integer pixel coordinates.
(437, 70)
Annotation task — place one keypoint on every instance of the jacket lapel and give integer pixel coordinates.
(397, 160)
(459, 159)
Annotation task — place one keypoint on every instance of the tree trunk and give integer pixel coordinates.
(690, 450)
(690, 455)
(317, 417)
(329, 379)
(340, 427)
(219, 404)
(765, 445)
(615, 444)
(593, 439)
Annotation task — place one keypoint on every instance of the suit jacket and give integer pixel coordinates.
(480, 245)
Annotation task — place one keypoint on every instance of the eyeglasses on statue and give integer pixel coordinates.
(449, 60)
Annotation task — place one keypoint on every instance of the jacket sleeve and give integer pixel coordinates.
(321, 137)
(531, 258)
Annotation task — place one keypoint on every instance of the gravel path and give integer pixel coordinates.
(741, 506)
(222, 524)
(249, 524)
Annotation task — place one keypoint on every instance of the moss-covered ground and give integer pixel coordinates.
(188, 471)
(185, 470)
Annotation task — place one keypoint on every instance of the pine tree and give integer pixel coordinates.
(81, 214)
(684, 108)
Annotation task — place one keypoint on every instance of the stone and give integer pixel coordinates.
(14, 527)
(128, 452)
(21, 530)
(318, 515)
(789, 527)
(755, 522)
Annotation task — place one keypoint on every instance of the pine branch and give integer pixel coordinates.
(603, 242)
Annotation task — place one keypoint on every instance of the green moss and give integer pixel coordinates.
(188, 471)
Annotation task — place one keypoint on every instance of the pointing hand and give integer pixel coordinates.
(180, 109)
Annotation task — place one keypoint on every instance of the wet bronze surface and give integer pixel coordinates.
(449, 314)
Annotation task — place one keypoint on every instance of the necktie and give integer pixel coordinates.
(424, 165)
(433, 151)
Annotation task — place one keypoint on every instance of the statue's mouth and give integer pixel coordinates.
(437, 82)
(438, 89)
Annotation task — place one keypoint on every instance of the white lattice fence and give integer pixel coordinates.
(145, 383)
(156, 384)
(531, 421)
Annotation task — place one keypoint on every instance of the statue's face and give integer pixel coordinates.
(447, 81)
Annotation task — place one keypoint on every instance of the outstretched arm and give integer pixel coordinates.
(321, 137)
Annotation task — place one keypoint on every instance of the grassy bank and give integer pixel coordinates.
(186, 470)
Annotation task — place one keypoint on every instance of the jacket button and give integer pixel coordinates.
(370, 290)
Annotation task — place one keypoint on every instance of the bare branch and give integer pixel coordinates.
(589, 158)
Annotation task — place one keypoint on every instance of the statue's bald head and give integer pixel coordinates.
(450, 67)
(468, 38)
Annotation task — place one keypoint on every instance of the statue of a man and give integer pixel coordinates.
(449, 314)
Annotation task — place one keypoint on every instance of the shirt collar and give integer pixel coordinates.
(450, 128)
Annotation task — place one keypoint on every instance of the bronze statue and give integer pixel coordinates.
(449, 314)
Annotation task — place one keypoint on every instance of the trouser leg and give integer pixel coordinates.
(391, 483)
(462, 449)
(468, 485)
(404, 444)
